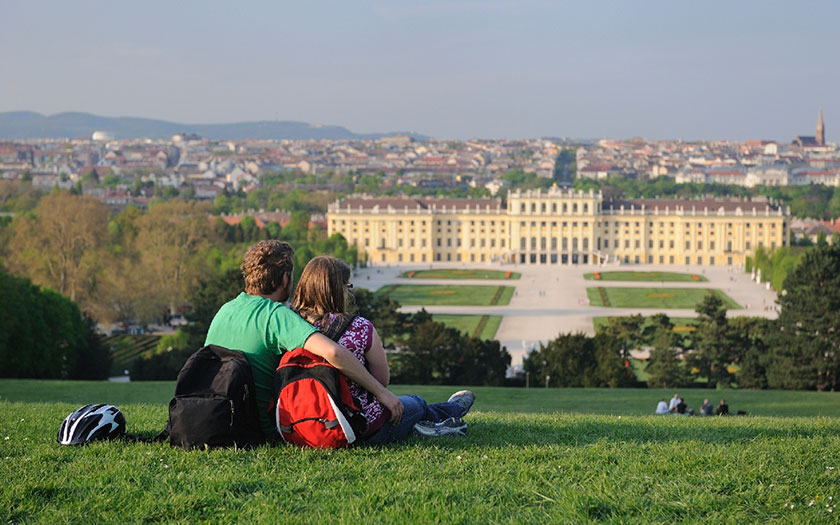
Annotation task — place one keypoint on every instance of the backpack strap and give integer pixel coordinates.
(339, 326)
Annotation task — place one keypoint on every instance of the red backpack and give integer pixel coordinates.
(314, 406)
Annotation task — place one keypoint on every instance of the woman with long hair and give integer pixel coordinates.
(321, 297)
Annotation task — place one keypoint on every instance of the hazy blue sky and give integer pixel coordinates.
(460, 69)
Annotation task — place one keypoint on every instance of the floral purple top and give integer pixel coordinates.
(358, 338)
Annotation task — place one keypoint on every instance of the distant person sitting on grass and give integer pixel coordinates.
(682, 409)
(672, 406)
(722, 409)
(263, 328)
(321, 298)
(707, 409)
(662, 407)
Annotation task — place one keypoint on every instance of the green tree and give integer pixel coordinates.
(172, 241)
(206, 298)
(93, 359)
(430, 352)
(713, 352)
(805, 339)
(42, 333)
(60, 245)
(18, 196)
(383, 312)
(613, 369)
(480, 362)
(665, 368)
(749, 334)
(628, 331)
(567, 361)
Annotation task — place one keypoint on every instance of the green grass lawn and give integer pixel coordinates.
(444, 273)
(667, 298)
(646, 276)
(468, 324)
(681, 324)
(422, 294)
(532, 456)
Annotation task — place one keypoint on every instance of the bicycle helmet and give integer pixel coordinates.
(90, 423)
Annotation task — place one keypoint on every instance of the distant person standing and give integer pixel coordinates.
(707, 409)
(662, 407)
(722, 409)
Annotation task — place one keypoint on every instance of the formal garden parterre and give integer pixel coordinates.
(654, 297)
(456, 295)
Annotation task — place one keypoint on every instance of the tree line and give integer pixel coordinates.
(798, 351)
(71, 263)
(139, 265)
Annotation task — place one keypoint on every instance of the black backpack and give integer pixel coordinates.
(215, 402)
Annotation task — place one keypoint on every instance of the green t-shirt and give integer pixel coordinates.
(263, 330)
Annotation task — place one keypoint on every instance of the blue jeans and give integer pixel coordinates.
(415, 410)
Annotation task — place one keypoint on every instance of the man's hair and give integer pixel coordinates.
(264, 265)
(322, 289)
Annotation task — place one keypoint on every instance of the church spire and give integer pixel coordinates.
(820, 130)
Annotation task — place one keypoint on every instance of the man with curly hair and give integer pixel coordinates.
(260, 325)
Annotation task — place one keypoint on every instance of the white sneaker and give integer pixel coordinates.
(464, 399)
(453, 426)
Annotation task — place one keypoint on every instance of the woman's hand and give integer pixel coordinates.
(392, 403)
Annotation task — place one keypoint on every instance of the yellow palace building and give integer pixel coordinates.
(558, 226)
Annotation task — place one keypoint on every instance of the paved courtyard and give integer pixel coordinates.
(552, 299)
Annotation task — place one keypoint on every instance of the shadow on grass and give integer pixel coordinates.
(572, 430)
(653, 430)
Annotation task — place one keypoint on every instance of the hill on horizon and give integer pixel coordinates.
(32, 125)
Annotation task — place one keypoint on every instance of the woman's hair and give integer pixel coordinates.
(322, 289)
(264, 265)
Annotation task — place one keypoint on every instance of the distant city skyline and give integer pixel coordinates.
(464, 69)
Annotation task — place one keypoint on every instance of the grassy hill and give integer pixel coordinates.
(532, 456)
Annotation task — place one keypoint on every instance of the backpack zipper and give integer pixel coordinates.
(232, 411)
